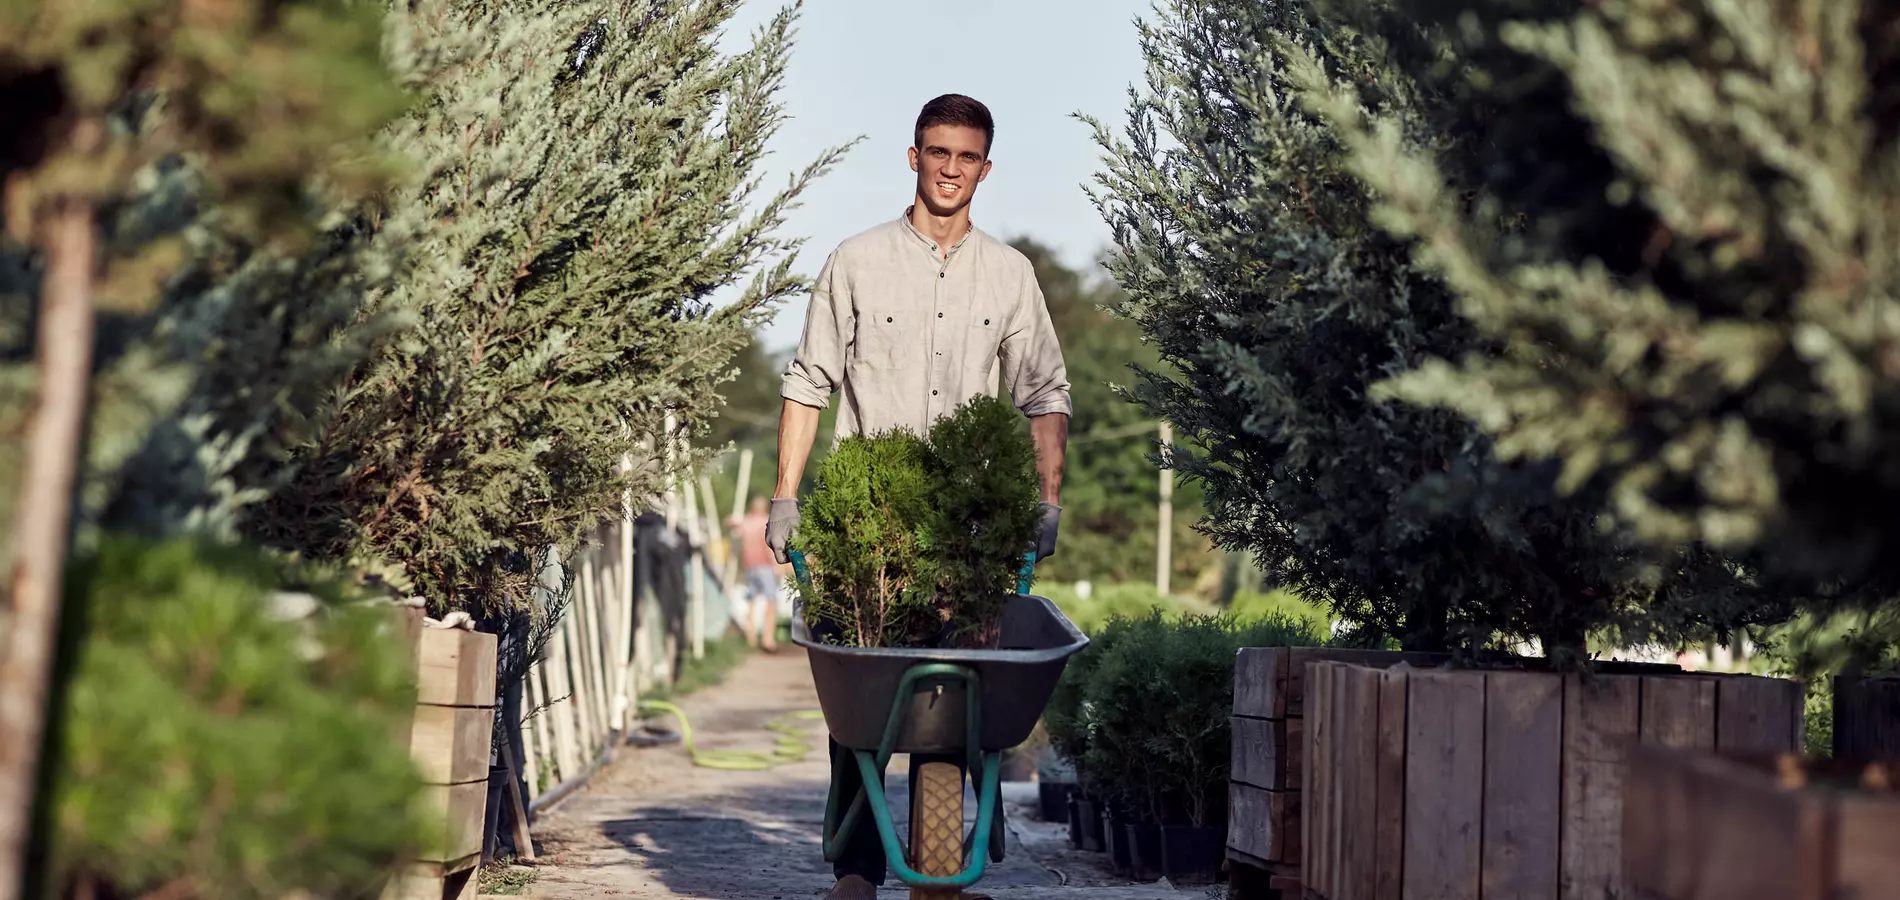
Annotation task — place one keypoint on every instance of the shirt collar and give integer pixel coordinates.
(925, 239)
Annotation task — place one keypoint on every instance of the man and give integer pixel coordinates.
(908, 321)
(761, 577)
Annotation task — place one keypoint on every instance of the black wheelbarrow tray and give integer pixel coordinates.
(880, 702)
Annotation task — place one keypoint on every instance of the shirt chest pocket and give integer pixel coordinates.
(982, 339)
(887, 339)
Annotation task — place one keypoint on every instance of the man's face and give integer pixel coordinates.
(949, 165)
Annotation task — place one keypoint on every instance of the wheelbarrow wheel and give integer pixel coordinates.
(936, 827)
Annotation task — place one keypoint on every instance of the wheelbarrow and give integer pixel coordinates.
(878, 702)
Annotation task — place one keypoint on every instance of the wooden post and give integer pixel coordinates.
(695, 576)
(560, 700)
(1866, 718)
(1164, 532)
(531, 749)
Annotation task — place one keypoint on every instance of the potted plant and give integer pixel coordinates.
(1159, 703)
(1066, 719)
(917, 540)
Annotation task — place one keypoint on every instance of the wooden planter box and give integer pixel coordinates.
(449, 739)
(1867, 718)
(1439, 784)
(1263, 820)
(1698, 826)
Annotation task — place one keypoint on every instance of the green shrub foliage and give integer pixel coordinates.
(917, 541)
(1250, 256)
(212, 745)
(1692, 285)
(580, 202)
(1154, 737)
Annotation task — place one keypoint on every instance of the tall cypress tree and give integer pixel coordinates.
(1250, 256)
(586, 171)
(1681, 239)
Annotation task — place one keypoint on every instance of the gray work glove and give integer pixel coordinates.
(779, 525)
(1046, 543)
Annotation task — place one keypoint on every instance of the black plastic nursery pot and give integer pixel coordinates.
(1144, 846)
(1192, 854)
(1089, 813)
(1075, 823)
(1052, 799)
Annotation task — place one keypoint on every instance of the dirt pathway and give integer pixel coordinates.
(652, 825)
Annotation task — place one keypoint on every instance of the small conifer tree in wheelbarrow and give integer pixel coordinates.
(914, 608)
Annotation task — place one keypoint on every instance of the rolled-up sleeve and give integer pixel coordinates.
(1031, 355)
(817, 368)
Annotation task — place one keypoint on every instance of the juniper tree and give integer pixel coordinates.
(1692, 285)
(586, 172)
(1247, 252)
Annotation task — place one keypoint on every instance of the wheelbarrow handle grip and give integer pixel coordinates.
(798, 566)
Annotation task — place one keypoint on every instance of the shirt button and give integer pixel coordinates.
(888, 318)
(939, 274)
(933, 393)
(986, 321)
(940, 315)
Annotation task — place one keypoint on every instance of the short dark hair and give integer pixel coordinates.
(956, 109)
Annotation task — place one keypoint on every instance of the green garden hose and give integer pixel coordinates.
(793, 740)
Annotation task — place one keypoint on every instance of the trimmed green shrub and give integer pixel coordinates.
(918, 542)
(1151, 730)
(209, 742)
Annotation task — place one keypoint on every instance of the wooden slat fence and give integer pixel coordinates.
(1441, 784)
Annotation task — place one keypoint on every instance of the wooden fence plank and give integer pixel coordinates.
(450, 744)
(1679, 711)
(1338, 820)
(1389, 843)
(560, 706)
(1753, 714)
(1522, 784)
(1249, 821)
(533, 747)
(455, 667)
(1868, 830)
(1259, 752)
(1362, 786)
(1258, 676)
(1444, 785)
(1601, 716)
(1300, 658)
(1867, 717)
(1314, 861)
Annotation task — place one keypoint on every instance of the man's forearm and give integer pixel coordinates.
(1051, 434)
(797, 427)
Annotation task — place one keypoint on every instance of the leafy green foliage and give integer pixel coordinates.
(1154, 727)
(1251, 258)
(859, 533)
(578, 215)
(210, 742)
(981, 515)
(1110, 480)
(916, 541)
(1693, 291)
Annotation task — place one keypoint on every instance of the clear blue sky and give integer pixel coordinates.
(865, 67)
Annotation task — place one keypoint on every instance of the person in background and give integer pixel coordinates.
(761, 572)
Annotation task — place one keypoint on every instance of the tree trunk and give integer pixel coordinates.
(42, 519)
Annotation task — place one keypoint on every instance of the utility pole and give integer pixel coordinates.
(1164, 536)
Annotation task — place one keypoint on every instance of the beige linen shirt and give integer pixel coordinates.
(907, 335)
